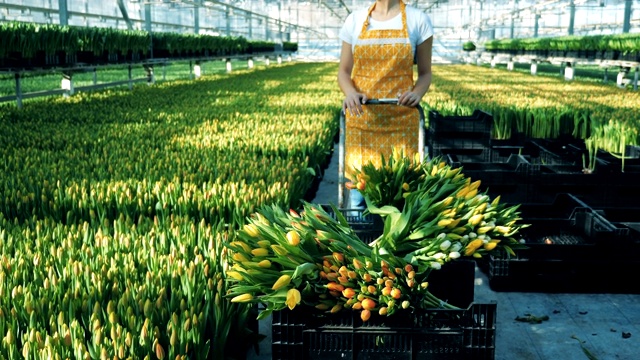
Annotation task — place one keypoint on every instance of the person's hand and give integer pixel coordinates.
(409, 98)
(353, 103)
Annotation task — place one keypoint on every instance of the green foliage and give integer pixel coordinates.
(617, 42)
(290, 46)
(468, 46)
(116, 207)
(27, 39)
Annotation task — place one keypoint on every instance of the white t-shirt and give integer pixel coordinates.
(418, 24)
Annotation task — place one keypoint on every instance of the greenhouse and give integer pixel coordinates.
(330, 179)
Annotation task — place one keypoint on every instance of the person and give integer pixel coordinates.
(380, 45)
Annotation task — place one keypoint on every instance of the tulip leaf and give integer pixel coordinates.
(304, 269)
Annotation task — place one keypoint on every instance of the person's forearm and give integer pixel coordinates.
(422, 84)
(345, 83)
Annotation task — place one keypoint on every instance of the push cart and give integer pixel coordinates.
(341, 148)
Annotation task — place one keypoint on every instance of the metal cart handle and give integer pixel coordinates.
(341, 147)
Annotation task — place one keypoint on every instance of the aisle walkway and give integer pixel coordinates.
(599, 320)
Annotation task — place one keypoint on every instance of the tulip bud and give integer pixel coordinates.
(293, 238)
(242, 298)
(365, 315)
(445, 245)
(283, 281)
(159, 350)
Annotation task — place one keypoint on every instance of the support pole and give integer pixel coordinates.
(568, 72)
(513, 20)
(228, 17)
(67, 84)
(534, 67)
(229, 67)
(635, 80)
(250, 63)
(197, 70)
(18, 90)
(151, 79)
(572, 17)
(626, 21)
(130, 78)
(196, 17)
(125, 14)
(63, 12)
(147, 26)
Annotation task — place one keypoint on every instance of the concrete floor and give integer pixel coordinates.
(598, 320)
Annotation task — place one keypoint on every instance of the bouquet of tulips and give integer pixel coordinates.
(389, 183)
(284, 259)
(444, 214)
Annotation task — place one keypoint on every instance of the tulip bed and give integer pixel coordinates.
(175, 70)
(114, 207)
(539, 106)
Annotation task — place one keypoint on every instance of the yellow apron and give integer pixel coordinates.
(382, 68)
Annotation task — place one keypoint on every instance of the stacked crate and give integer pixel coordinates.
(463, 138)
(464, 333)
(585, 223)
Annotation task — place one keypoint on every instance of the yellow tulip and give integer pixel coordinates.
(293, 238)
(283, 281)
(251, 230)
(242, 298)
(293, 298)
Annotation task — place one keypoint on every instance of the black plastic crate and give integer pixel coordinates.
(367, 227)
(478, 154)
(606, 161)
(502, 149)
(560, 151)
(508, 179)
(478, 122)
(629, 219)
(564, 253)
(442, 334)
(599, 188)
(467, 137)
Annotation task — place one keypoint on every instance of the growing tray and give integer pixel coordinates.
(509, 179)
(467, 137)
(600, 188)
(570, 248)
(367, 227)
(467, 333)
(562, 151)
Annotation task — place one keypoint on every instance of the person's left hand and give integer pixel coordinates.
(409, 98)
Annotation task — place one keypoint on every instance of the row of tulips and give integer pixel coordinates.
(613, 42)
(539, 106)
(149, 289)
(115, 208)
(27, 40)
(144, 154)
(314, 259)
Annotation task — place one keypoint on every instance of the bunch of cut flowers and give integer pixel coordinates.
(285, 259)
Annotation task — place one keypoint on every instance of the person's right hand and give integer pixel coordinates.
(353, 103)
